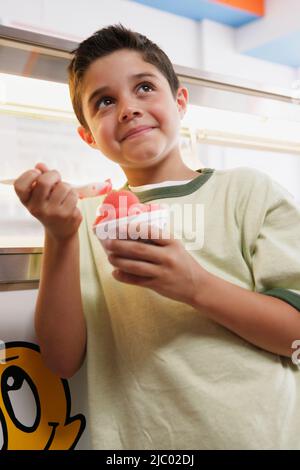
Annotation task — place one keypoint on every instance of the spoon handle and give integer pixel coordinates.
(83, 191)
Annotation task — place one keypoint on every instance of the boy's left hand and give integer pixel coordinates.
(164, 266)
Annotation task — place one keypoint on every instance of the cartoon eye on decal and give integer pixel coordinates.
(17, 387)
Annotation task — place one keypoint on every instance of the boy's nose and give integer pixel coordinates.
(129, 113)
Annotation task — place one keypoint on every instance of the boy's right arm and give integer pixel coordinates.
(59, 319)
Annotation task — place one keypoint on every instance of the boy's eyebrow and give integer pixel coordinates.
(105, 89)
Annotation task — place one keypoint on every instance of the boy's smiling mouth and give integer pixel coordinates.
(137, 131)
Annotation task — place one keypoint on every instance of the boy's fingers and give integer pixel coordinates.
(25, 183)
(157, 235)
(41, 167)
(61, 192)
(44, 185)
(150, 233)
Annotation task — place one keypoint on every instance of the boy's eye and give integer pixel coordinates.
(103, 102)
(146, 87)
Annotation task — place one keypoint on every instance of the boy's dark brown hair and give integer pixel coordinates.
(104, 42)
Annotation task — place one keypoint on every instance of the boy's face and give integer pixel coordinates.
(135, 94)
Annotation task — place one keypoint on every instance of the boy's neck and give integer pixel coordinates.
(164, 171)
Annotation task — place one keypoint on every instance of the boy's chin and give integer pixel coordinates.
(146, 162)
(143, 157)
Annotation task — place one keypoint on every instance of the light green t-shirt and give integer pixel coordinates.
(162, 375)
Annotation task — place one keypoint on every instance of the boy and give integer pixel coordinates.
(185, 350)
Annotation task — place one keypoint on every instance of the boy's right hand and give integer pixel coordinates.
(50, 200)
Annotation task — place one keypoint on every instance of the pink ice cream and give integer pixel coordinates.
(119, 208)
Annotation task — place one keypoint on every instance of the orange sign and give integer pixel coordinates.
(257, 7)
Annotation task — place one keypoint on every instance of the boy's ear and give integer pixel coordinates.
(86, 136)
(182, 100)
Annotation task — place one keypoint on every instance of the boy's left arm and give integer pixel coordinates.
(170, 270)
(166, 267)
(263, 320)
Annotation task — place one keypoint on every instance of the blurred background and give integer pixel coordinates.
(240, 60)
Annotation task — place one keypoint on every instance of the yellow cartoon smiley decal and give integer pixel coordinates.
(35, 404)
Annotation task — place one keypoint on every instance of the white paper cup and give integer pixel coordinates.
(134, 227)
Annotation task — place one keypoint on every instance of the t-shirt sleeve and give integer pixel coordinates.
(276, 254)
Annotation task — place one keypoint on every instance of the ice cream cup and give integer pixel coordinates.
(135, 227)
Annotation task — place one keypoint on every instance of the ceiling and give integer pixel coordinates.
(230, 12)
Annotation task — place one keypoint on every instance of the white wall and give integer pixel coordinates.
(281, 18)
(221, 55)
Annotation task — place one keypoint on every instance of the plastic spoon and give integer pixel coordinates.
(83, 191)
